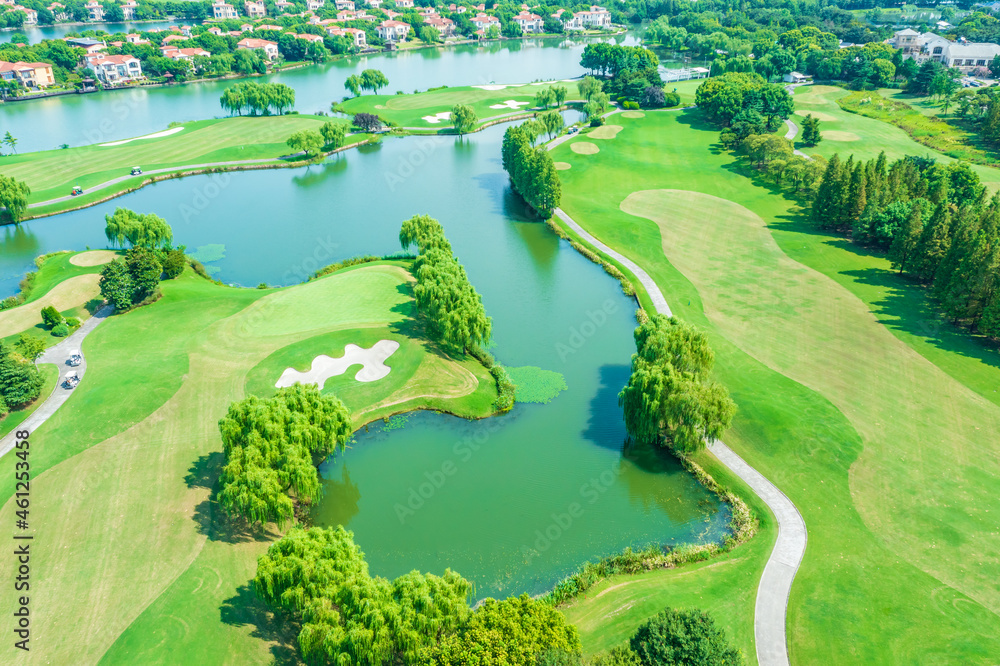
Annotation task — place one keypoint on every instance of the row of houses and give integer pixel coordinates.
(961, 54)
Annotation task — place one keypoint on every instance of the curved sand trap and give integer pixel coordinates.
(818, 115)
(157, 135)
(92, 258)
(605, 132)
(584, 148)
(633, 114)
(438, 118)
(562, 166)
(323, 367)
(837, 135)
(509, 104)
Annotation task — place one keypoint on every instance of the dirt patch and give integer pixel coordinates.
(584, 148)
(605, 132)
(93, 258)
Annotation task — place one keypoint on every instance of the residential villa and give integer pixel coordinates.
(223, 10)
(404, 4)
(484, 21)
(270, 49)
(962, 55)
(313, 5)
(254, 9)
(175, 53)
(444, 26)
(174, 38)
(345, 4)
(89, 45)
(461, 9)
(95, 12)
(309, 38)
(269, 26)
(29, 74)
(393, 31)
(215, 30)
(30, 15)
(597, 18)
(128, 10)
(111, 69)
(373, 4)
(246, 27)
(58, 11)
(529, 22)
(283, 6)
(356, 36)
(135, 38)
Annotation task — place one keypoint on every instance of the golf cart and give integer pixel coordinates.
(77, 190)
(72, 379)
(75, 358)
(136, 171)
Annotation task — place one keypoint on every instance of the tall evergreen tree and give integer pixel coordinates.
(935, 239)
(905, 242)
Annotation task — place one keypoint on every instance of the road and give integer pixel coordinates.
(58, 354)
(770, 610)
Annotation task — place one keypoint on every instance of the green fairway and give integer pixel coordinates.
(125, 470)
(896, 480)
(53, 173)
(410, 110)
(849, 133)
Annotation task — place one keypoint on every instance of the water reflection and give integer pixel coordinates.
(340, 499)
(605, 425)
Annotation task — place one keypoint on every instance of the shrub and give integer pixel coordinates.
(60, 330)
(72, 322)
(505, 388)
(683, 638)
(630, 105)
(597, 122)
(619, 656)
(671, 99)
(51, 317)
(173, 263)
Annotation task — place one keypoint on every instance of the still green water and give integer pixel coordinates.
(513, 503)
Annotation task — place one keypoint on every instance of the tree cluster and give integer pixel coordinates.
(744, 97)
(347, 616)
(126, 227)
(631, 73)
(532, 172)
(679, 638)
(20, 381)
(451, 306)
(935, 221)
(129, 281)
(272, 447)
(13, 198)
(253, 98)
(669, 398)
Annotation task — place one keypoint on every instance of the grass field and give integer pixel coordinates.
(409, 110)
(896, 480)
(848, 133)
(69, 287)
(122, 475)
(53, 173)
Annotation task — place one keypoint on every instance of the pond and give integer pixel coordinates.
(513, 503)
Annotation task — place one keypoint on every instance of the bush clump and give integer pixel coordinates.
(683, 638)
(60, 330)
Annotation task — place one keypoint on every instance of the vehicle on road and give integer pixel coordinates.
(75, 358)
(72, 379)
(77, 190)
(136, 171)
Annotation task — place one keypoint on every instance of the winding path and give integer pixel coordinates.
(58, 354)
(792, 132)
(770, 610)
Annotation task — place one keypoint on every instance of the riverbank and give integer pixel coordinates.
(798, 323)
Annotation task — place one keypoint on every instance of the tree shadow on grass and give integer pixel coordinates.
(209, 516)
(246, 609)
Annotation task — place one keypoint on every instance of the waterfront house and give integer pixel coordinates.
(128, 10)
(393, 31)
(270, 49)
(112, 69)
(95, 12)
(529, 22)
(223, 10)
(28, 74)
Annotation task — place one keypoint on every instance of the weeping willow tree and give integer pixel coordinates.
(669, 398)
(350, 618)
(444, 296)
(137, 229)
(272, 447)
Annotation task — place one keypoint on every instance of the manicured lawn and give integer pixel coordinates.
(878, 433)
(123, 473)
(53, 173)
(15, 418)
(409, 110)
(848, 133)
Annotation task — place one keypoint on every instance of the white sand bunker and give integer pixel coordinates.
(605, 132)
(633, 114)
(837, 135)
(584, 148)
(562, 166)
(157, 135)
(438, 118)
(323, 367)
(509, 104)
(93, 258)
